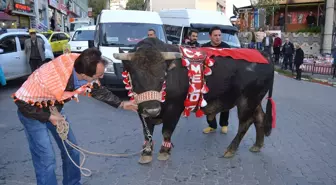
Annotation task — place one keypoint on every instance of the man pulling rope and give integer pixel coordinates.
(40, 101)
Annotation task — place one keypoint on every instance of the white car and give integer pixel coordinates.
(13, 58)
(79, 41)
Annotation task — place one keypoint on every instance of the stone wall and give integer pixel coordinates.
(310, 42)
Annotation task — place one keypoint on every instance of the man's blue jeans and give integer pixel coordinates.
(43, 155)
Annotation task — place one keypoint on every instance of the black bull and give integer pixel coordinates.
(232, 83)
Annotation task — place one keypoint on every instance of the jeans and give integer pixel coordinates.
(223, 120)
(43, 155)
(287, 61)
(259, 45)
(252, 45)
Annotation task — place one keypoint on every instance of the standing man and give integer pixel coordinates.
(288, 51)
(193, 36)
(151, 33)
(311, 20)
(49, 88)
(276, 47)
(298, 61)
(251, 38)
(281, 22)
(215, 34)
(34, 50)
(268, 43)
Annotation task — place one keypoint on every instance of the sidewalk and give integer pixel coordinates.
(316, 78)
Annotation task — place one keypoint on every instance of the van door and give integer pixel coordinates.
(11, 60)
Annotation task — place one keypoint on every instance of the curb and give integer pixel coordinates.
(313, 80)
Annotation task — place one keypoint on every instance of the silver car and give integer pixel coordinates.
(13, 58)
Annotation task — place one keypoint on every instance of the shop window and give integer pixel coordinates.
(22, 39)
(8, 44)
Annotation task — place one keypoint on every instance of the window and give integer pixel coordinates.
(54, 37)
(47, 35)
(75, 26)
(228, 37)
(173, 33)
(127, 34)
(22, 39)
(8, 44)
(83, 35)
(62, 36)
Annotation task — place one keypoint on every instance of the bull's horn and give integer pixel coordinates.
(171, 55)
(123, 56)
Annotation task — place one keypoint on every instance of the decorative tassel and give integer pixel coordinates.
(203, 103)
(76, 98)
(205, 89)
(164, 93)
(132, 98)
(124, 74)
(164, 86)
(187, 103)
(186, 113)
(126, 81)
(191, 89)
(190, 73)
(128, 87)
(207, 71)
(130, 93)
(185, 62)
(210, 62)
(163, 99)
(199, 113)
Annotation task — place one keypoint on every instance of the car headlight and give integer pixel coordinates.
(109, 68)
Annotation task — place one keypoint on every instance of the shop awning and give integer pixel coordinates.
(6, 17)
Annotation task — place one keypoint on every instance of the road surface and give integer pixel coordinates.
(301, 150)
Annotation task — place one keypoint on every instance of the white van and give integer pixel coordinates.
(178, 22)
(119, 31)
(79, 41)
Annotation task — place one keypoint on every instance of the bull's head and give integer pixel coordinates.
(147, 68)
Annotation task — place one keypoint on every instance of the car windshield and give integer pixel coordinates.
(83, 35)
(228, 37)
(75, 26)
(127, 34)
(47, 35)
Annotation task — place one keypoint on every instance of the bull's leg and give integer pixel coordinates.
(245, 116)
(147, 153)
(169, 124)
(258, 123)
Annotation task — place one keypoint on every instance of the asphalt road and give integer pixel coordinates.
(301, 150)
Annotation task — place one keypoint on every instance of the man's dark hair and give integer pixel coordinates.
(152, 30)
(193, 31)
(214, 29)
(87, 62)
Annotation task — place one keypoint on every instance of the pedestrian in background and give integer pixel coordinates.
(251, 38)
(260, 35)
(34, 50)
(268, 43)
(288, 51)
(298, 61)
(276, 47)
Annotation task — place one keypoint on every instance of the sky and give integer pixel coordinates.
(237, 3)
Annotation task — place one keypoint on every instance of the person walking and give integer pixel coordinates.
(288, 51)
(298, 61)
(276, 47)
(268, 43)
(34, 50)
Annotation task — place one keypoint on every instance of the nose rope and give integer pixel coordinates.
(62, 129)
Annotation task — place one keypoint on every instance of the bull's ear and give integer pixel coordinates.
(172, 65)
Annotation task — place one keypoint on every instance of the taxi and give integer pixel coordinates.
(57, 40)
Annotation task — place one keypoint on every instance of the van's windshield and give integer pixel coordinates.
(228, 37)
(127, 34)
(75, 25)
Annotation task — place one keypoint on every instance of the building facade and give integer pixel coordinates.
(42, 15)
(215, 5)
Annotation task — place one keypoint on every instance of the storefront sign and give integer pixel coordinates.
(53, 3)
(22, 8)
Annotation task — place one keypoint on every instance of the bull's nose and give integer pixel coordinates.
(153, 112)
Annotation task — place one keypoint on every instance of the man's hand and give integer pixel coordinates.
(54, 119)
(129, 105)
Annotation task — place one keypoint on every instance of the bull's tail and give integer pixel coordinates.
(270, 117)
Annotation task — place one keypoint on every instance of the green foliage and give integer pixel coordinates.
(316, 29)
(269, 6)
(135, 5)
(97, 6)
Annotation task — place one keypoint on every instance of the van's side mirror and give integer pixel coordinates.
(91, 43)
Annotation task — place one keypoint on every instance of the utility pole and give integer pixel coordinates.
(328, 26)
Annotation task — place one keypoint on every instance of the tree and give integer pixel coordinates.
(135, 5)
(97, 7)
(269, 6)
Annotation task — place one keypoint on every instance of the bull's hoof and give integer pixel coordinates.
(164, 156)
(145, 159)
(229, 154)
(255, 149)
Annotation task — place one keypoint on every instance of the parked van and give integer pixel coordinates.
(119, 31)
(79, 41)
(178, 22)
